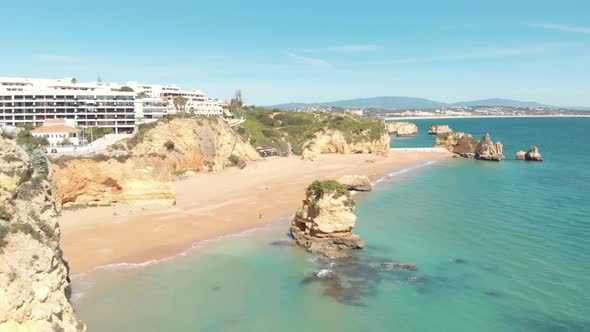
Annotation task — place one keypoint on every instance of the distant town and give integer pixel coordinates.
(464, 111)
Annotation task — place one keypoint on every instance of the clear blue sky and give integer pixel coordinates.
(283, 51)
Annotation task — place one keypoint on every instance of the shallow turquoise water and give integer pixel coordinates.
(499, 247)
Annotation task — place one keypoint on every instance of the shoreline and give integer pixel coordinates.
(483, 117)
(210, 206)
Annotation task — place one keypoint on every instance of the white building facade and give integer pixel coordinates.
(25, 101)
(58, 132)
(31, 102)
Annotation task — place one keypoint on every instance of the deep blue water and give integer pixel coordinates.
(499, 247)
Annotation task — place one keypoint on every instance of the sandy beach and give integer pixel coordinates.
(208, 206)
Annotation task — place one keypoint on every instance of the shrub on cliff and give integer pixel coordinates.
(318, 189)
(169, 145)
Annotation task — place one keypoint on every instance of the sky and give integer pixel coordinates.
(310, 51)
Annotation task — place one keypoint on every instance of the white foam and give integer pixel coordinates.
(403, 170)
(324, 273)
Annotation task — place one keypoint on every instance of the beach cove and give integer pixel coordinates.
(209, 206)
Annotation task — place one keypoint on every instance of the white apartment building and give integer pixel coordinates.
(197, 101)
(32, 101)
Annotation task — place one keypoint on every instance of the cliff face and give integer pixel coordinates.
(325, 221)
(437, 129)
(402, 129)
(154, 153)
(201, 144)
(468, 147)
(334, 141)
(33, 275)
(134, 180)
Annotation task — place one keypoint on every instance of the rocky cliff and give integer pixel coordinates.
(402, 129)
(468, 147)
(325, 221)
(334, 141)
(33, 275)
(143, 174)
(437, 129)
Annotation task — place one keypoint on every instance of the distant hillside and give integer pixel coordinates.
(503, 102)
(375, 102)
(394, 102)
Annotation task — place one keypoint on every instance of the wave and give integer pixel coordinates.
(404, 170)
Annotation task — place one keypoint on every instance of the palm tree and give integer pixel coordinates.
(179, 103)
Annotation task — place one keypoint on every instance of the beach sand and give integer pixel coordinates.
(208, 206)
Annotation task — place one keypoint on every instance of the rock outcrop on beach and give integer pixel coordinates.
(402, 129)
(466, 146)
(437, 129)
(356, 182)
(325, 221)
(144, 173)
(533, 154)
(33, 275)
(334, 141)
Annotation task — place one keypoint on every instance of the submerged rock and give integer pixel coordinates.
(402, 129)
(325, 221)
(533, 154)
(397, 266)
(437, 129)
(356, 182)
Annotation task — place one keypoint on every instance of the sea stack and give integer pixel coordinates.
(487, 150)
(402, 129)
(437, 129)
(466, 146)
(325, 221)
(533, 154)
(356, 182)
(520, 155)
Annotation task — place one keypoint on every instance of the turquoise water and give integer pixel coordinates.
(499, 247)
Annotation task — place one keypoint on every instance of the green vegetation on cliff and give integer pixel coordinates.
(318, 189)
(277, 128)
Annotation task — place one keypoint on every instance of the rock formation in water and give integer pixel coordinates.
(520, 155)
(487, 150)
(33, 275)
(466, 146)
(457, 142)
(533, 154)
(402, 129)
(437, 129)
(325, 221)
(356, 182)
(144, 173)
(334, 141)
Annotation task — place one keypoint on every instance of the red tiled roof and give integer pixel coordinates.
(55, 121)
(55, 129)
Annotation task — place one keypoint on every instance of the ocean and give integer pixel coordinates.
(499, 246)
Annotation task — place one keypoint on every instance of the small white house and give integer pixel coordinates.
(58, 132)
